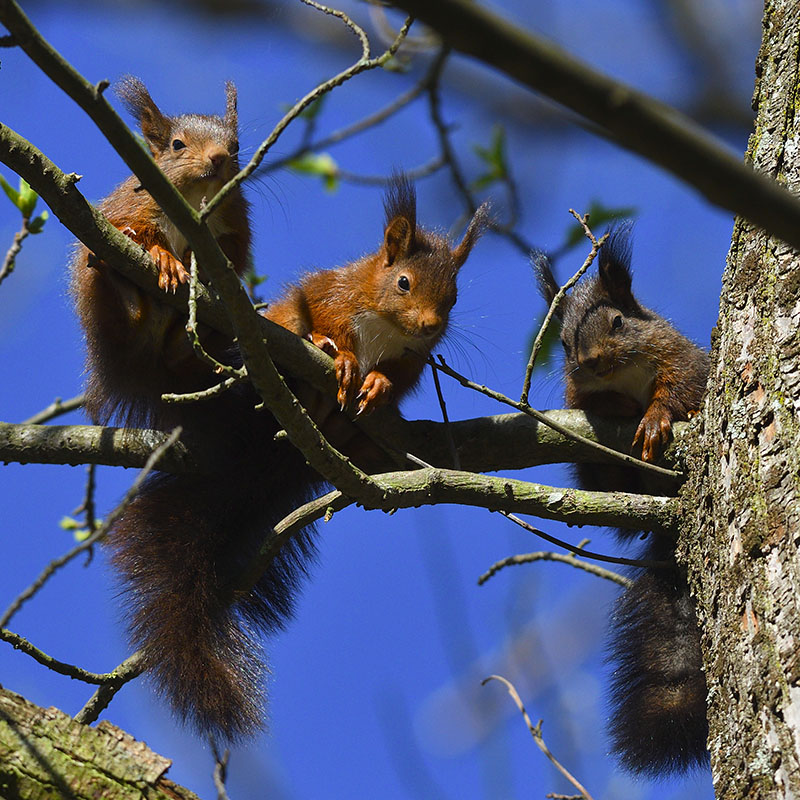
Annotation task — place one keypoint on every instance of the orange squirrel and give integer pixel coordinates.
(183, 542)
(624, 360)
(137, 346)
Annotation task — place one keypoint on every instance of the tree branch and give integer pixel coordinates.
(483, 444)
(630, 118)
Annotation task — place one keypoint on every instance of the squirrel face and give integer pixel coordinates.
(603, 325)
(414, 285)
(197, 152)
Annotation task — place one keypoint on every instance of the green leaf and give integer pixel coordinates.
(549, 342)
(599, 216)
(495, 157)
(252, 278)
(320, 165)
(36, 225)
(27, 198)
(13, 194)
(79, 533)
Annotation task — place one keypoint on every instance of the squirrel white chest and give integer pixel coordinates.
(177, 242)
(379, 339)
(634, 379)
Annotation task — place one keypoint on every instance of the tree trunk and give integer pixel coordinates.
(742, 518)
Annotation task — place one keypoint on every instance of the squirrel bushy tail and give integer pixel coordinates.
(179, 550)
(658, 692)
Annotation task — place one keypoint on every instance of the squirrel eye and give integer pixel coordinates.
(616, 322)
(403, 284)
(177, 144)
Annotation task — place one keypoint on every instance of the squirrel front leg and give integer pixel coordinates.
(387, 380)
(655, 429)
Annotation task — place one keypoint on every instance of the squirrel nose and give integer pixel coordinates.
(430, 326)
(217, 157)
(590, 363)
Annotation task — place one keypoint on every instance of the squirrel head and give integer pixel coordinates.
(603, 326)
(415, 280)
(197, 152)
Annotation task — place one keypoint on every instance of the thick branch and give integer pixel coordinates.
(484, 444)
(632, 119)
(44, 753)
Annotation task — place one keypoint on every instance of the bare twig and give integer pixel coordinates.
(443, 406)
(578, 550)
(129, 669)
(363, 64)
(536, 732)
(563, 558)
(537, 344)
(61, 667)
(220, 768)
(55, 409)
(57, 563)
(13, 251)
(543, 418)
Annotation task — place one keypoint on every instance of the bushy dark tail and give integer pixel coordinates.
(658, 694)
(180, 548)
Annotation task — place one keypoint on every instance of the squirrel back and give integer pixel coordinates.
(135, 343)
(185, 540)
(623, 360)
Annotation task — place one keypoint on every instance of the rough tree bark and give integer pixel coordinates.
(742, 517)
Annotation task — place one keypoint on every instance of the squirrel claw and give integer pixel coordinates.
(376, 391)
(654, 432)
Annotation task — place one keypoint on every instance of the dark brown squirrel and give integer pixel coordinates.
(623, 360)
(137, 346)
(183, 542)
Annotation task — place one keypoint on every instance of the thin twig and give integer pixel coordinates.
(363, 64)
(131, 668)
(57, 563)
(545, 420)
(443, 406)
(536, 732)
(563, 558)
(537, 344)
(13, 251)
(220, 768)
(55, 409)
(61, 667)
(578, 550)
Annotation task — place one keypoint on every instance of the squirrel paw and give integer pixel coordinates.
(654, 432)
(325, 343)
(346, 376)
(170, 271)
(376, 391)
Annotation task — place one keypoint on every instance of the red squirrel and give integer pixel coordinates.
(623, 360)
(183, 542)
(136, 347)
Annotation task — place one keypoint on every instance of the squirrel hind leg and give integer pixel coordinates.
(658, 697)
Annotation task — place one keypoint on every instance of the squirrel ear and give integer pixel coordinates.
(155, 126)
(397, 239)
(615, 267)
(478, 224)
(548, 286)
(231, 115)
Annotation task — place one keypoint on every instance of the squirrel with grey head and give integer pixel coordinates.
(182, 544)
(623, 360)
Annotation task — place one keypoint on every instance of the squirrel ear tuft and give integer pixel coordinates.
(615, 266)
(155, 126)
(231, 118)
(398, 239)
(548, 285)
(478, 224)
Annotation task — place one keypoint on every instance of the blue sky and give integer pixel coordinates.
(376, 684)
